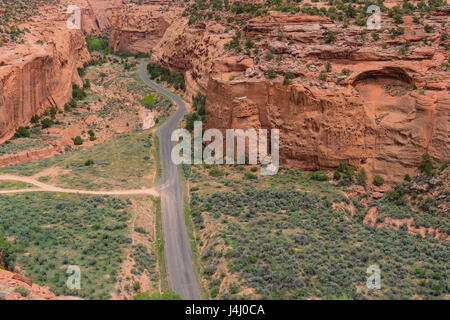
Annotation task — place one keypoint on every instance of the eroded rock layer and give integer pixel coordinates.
(38, 73)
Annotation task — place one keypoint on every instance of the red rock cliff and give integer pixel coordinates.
(38, 73)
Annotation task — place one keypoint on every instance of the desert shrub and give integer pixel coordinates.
(395, 196)
(378, 181)
(428, 28)
(330, 37)
(35, 119)
(216, 172)
(22, 132)
(149, 100)
(78, 93)
(318, 175)
(89, 162)
(270, 73)
(77, 141)
(46, 123)
(92, 136)
(336, 175)
(7, 254)
(288, 76)
(426, 167)
(250, 176)
(362, 176)
(268, 55)
(24, 292)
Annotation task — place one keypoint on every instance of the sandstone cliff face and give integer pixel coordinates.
(379, 108)
(138, 29)
(38, 73)
(320, 128)
(95, 14)
(391, 109)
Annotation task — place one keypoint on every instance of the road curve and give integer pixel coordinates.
(180, 271)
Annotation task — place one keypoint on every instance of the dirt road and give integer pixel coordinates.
(49, 188)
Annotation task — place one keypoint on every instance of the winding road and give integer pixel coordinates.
(180, 270)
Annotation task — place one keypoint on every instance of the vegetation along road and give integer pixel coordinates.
(180, 270)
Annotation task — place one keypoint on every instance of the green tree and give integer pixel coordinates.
(149, 100)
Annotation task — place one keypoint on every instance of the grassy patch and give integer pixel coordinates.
(121, 163)
(52, 231)
(281, 237)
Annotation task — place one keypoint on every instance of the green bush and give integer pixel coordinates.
(22, 132)
(24, 292)
(77, 141)
(46, 123)
(7, 254)
(250, 176)
(426, 167)
(270, 73)
(330, 37)
(89, 162)
(78, 93)
(288, 76)
(378, 181)
(318, 175)
(96, 44)
(216, 172)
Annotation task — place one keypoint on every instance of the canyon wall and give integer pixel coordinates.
(138, 29)
(375, 107)
(320, 129)
(95, 14)
(160, 30)
(38, 73)
(382, 104)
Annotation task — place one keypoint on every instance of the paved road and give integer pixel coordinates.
(50, 188)
(180, 271)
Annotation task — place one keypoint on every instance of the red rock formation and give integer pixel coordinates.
(9, 282)
(38, 73)
(138, 29)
